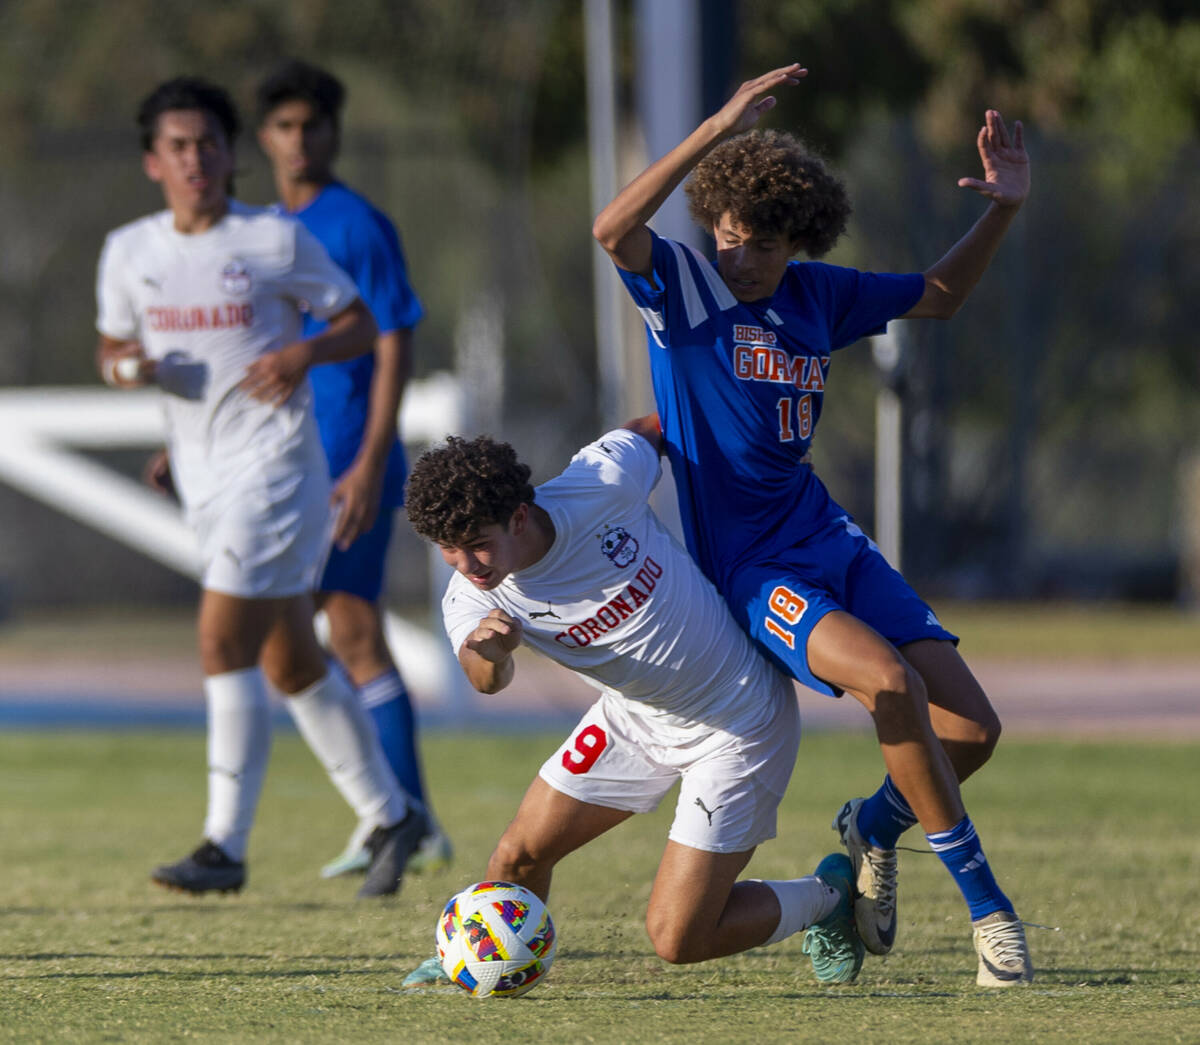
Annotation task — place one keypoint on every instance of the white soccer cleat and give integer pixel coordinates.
(874, 882)
(1003, 953)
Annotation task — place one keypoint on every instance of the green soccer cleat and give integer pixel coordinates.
(428, 974)
(433, 854)
(833, 943)
(355, 860)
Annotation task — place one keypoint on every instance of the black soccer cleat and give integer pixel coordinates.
(390, 849)
(207, 870)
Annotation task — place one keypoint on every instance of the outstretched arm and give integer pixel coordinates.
(486, 654)
(621, 227)
(1006, 183)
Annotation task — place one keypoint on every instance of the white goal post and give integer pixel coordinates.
(43, 432)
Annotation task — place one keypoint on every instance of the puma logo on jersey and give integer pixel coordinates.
(708, 812)
(154, 284)
(547, 612)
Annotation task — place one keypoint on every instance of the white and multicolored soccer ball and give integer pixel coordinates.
(495, 940)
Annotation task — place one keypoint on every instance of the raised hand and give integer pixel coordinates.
(751, 100)
(1005, 163)
(496, 637)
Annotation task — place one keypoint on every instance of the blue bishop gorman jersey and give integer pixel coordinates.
(364, 243)
(739, 388)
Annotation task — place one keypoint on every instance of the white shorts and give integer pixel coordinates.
(732, 779)
(266, 538)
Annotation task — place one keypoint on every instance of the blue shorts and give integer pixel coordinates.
(360, 568)
(779, 601)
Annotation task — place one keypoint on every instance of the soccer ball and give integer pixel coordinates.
(495, 940)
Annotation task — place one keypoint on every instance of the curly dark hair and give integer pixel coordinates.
(457, 489)
(768, 181)
(186, 93)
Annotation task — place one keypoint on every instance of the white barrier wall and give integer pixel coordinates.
(44, 430)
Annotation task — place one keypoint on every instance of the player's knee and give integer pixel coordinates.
(895, 688)
(222, 651)
(514, 861)
(359, 644)
(982, 738)
(672, 942)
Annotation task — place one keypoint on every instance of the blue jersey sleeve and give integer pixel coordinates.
(859, 304)
(379, 271)
(683, 291)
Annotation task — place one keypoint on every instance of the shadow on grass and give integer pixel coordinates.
(175, 975)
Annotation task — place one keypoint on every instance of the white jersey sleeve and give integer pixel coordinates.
(116, 310)
(616, 473)
(463, 607)
(315, 280)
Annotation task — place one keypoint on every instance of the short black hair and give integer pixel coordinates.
(182, 94)
(300, 80)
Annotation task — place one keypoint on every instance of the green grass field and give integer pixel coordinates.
(1098, 839)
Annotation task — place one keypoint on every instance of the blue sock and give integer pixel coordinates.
(386, 701)
(885, 816)
(960, 850)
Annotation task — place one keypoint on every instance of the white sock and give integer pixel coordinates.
(334, 725)
(802, 902)
(239, 745)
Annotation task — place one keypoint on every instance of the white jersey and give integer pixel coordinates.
(206, 305)
(617, 600)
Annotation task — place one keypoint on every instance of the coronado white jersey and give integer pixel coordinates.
(618, 600)
(207, 305)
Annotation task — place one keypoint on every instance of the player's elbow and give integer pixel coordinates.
(605, 232)
(940, 301)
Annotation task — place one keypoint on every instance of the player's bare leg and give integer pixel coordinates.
(699, 910)
(547, 827)
(962, 716)
(356, 635)
(847, 653)
(231, 630)
(850, 655)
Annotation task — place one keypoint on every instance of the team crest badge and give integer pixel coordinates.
(235, 278)
(619, 546)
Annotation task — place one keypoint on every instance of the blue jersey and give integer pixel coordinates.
(739, 388)
(364, 243)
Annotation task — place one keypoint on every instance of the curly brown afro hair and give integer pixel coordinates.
(457, 489)
(768, 182)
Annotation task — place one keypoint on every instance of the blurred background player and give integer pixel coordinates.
(583, 571)
(739, 354)
(299, 109)
(204, 300)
